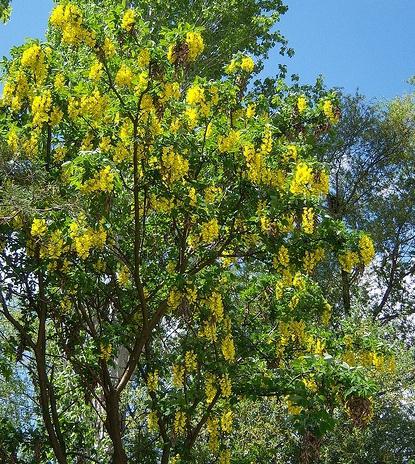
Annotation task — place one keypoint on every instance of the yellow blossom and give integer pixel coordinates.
(190, 361)
(225, 457)
(301, 104)
(152, 421)
(210, 388)
(228, 348)
(225, 386)
(226, 421)
(250, 111)
(308, 220)
(39, 227)
(109, 47)
(105, 351)
(175, 166)
(348, 260)
(329, 112)
(152, 381)
(213, 430)
(128, 20)
(230, 142)
(366, 249)
(247, 64)
(33, 58)
(178, 376)
(210, 231)
(96, 71)
(143, 59)
(124, 76)
(216, 305)
(179, 422)
(195, 43)
(303, 176)
(103, 181)
(195, 95)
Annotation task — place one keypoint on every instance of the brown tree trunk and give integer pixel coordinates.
(113, 426)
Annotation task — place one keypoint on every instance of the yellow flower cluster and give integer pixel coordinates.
(108, 47)
(55, 246)
(308, 220)
(329, 112)
(128, 20)
(209, 231)
(210, 388)
(348, 260)
(312, 258)
(213, 430)
(195, 95)
(290, 154)
(226, 421)
(178, 376)
(175, 166)
(59, 82)
(93, 105)
(96, 71)
(124, 76)
(310, 384)
(152, 421)
(123, 276)
(292, 408)
(33, 58)
(302, 179)
(190, 361)
(225, 386)
(246, 64)
(171, 91)
(366, 249)
(225, 457)
(301, 104)
(209, 331)
(257, 171)
(105, 351)
(211, 194)
(152, 381)
(370, 359)
(15, 92)
(321, 183)
(86, 238)
(144, 57)
(103, 181)
(179, 422)
(283, 257)
(266, 143)
(41, 107)
(326, 315)
(195, 43)
(39, 227)
(250, 111)
(68, 18)
(228, 348)
(229, 143)
(174, 299)
(215, 304)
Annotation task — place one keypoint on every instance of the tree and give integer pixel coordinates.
(161, 230)
(371, 160)
(5, 10)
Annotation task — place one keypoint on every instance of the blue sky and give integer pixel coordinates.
(365, 44)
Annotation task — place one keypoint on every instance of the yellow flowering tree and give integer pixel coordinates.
(161, 230)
